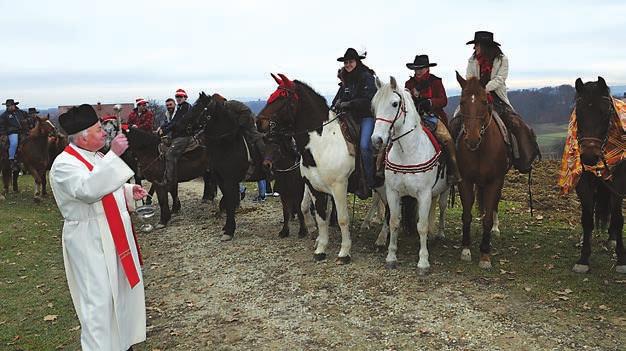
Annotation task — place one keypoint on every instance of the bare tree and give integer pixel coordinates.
(158, 109)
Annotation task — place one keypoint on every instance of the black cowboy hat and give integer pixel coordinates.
(350, 54)
(421, 61)
(32, 110)
(10, 102)
(482, 36)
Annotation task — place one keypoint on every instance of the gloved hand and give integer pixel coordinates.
(423, 104)
(343, 105)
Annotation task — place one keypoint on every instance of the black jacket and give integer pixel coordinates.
(357, 87)
(177, 126)
(13, 122)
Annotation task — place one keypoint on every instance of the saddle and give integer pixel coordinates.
(350, 129)
(166, 142)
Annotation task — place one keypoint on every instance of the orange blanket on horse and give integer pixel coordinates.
(614, 151)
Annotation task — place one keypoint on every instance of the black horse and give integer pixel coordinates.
(192, 164)
(228, 153)
(595, 113)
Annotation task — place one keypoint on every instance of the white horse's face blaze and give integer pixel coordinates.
(386, 104)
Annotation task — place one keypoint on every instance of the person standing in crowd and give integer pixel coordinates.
(489, 64)
(12, 123)
(100, 254)
(141, 117)
(430, 98)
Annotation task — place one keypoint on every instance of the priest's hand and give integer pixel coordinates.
(119, 144)
(139, 192)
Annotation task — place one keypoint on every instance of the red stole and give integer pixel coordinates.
(116, 226)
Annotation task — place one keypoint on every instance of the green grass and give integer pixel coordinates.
(32, 277)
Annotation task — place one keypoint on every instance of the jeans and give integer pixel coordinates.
(13, 141)
(365, 144)
(262, 188)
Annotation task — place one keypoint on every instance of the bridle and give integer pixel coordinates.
(483, 127)
(603, 141)
(400, 112)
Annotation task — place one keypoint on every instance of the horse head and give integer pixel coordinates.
(594, 110)
(43, 127)
(475, 111)
(278, 115)
(391, 104)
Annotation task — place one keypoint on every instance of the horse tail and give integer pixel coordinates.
(408, 206)
(452, 196)
(602, 210)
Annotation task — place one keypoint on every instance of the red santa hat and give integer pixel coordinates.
(180, 92)
(141, 101)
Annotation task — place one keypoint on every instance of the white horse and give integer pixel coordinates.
(412, 166)
(295, 109)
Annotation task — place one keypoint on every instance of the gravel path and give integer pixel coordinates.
(262, 292)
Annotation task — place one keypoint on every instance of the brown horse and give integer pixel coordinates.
(483, 161)
(33, 153)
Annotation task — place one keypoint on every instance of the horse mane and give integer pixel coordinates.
(143, 139)
(316, 96)
(384, 93)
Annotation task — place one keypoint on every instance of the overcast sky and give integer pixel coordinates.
(69, 52)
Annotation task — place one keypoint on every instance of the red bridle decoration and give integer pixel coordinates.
(286, 88)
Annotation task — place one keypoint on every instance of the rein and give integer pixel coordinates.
(483, 128)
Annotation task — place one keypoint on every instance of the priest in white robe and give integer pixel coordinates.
(100, 252)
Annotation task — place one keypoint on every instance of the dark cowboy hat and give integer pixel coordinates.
(483, 37)
(350, 54)
(78, 118)
(32, 110)
(421, 61)
(10, 102)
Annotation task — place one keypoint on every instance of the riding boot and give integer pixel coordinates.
(527, 147)
(454, 176)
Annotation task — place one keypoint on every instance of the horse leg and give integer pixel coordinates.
(424, 207)
(371, 212)
(44, 192)
(286, 217)
(162, 196)
(340, 195)
(490, 197)
(395, 210)
(36, 185)
(466, 192)
(585, 191)
(305, 208)
(495, 230)
(322, 216)
(443, 205)
(615, 228)
(15, 176)
(175, 199)
(231, 197)
(381, 240)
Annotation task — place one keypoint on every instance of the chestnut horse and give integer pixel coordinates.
(483, 162)
(33, 153)
(595, 114)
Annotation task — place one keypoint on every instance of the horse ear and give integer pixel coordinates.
(379, 84)
(602, 83)
(280, 82)
(461, 80)
(579, 86)
(394, 84)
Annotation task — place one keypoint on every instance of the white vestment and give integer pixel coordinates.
(112, 315)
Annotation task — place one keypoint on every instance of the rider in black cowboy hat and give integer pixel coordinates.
(11, 126)
(489, 64)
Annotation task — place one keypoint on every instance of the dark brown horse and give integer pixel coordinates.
(595, 114)
(483, 161)
(8, 175)
(33, 153)
(192, 164)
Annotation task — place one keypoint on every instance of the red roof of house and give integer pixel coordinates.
(103, 110)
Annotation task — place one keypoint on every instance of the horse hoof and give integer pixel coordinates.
(302, 234)
(484, 264)
(391, 265)
(159, 226)
(283, 234)
(226, 237)
(319, 257)
(343, 260)
(621, 269)
(581, 268)
(466, 255)
(423, 271)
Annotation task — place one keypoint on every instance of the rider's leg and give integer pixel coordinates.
(13, 143)
(442, 134)
(365, 144)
